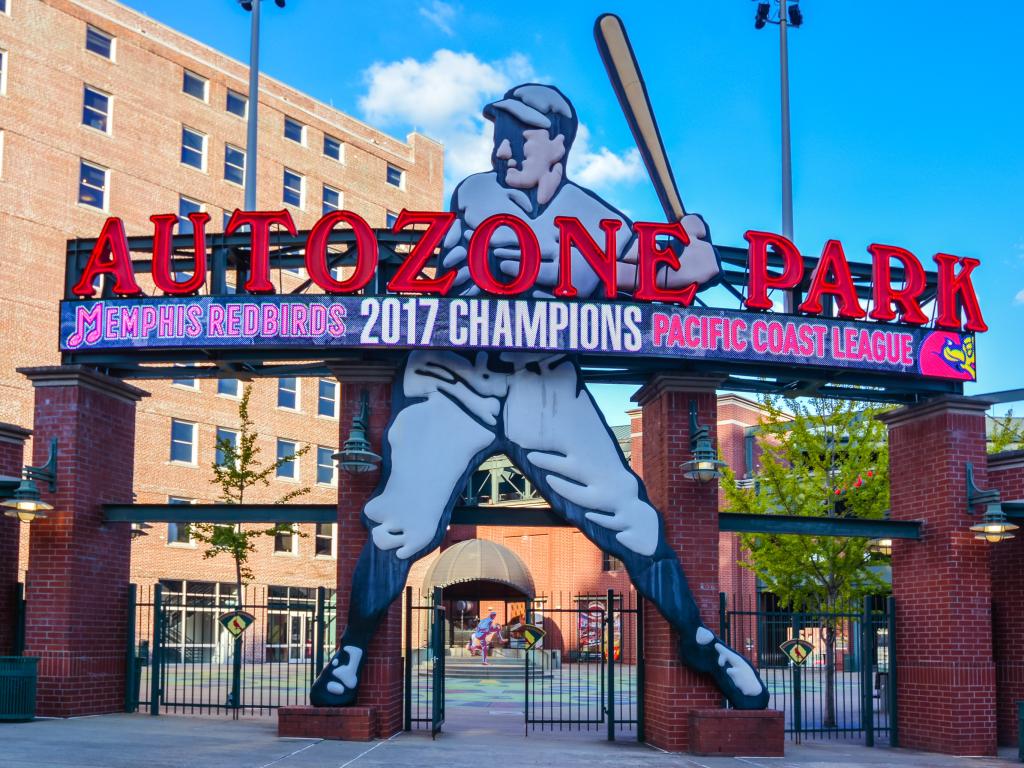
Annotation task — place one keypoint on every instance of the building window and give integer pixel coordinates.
(288, 393)
(225, 437)
(185, 207)
(294, 185)
(294, 130)
(332, 199)
(192, 633)
(195, 85)
(326, 469)
(179, 533)
(96, 109)
(324, 540)
(193, 148)
(286, 542)
(396, 176)
(289, 469)
(610, 563)
(291, 631)
(237, 104)
(99, 42)
(186, 382)
(183, 441)
(390, 218)
(3, 6)
(327, 399)
(3, 73)
(332, 148)
(234, 164)
(229, 387)
(92, 185)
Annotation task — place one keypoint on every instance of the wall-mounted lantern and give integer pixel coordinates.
(356, 456)
(994, 526)
(704, 466)
(21, 496)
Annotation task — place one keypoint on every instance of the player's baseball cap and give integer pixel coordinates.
(540, 106)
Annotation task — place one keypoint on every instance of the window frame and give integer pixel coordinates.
(297, 393)
(318, 536)
(82, 162)
(111, 38)
(186, 73)
(191, 543)
(324, 209)
(183, 383)
(203, 150)
(294, 463)
(294, 551)
(184, 223)
(228, 147)
(301, 141)
(320, 399)
(5, 63)
(245, 101)
(217, 438)
(333, 482)
(401, 176)
(108, 116)
(341, 148)
(285, 188)
(194, 443)
(238, 388)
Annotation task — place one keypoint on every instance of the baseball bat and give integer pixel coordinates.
(624, 73)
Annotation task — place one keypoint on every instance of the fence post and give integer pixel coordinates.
(131, 671)
(798, 707)
(407, 700)
(19, 620)
(321, 630)
(723, 619)
(156, 660)
(610, 649)
(867, 715)
(640, 671)
(890, 654)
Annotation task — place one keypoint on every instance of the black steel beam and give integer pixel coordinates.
(736, 522)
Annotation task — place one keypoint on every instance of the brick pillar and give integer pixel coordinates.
(690, 513)
(945, 673)
(12, 453)
(78, 569)
(1006, 473)
(380, 686)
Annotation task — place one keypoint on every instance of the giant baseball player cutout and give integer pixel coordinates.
(452, 410)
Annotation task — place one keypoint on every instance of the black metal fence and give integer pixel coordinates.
(183, 660)
(845, 689)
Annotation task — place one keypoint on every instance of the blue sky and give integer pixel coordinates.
(906, 116)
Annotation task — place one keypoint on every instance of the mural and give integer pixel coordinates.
(451, 410)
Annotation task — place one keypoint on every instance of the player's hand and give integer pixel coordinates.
(698, 262)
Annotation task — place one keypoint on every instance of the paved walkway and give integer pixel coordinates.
(134, 741)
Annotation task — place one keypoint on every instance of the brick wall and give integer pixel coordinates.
(12, 450)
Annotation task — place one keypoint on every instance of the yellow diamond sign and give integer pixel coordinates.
(797, 650)
(236, 622)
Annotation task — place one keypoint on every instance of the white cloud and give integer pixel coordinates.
(1019, 298)
(603, 168)
(439, 14)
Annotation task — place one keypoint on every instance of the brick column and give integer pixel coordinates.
(690, 513)
(78, 571)
(380, 686)
(12, 458)
(1006, 473)
(945, 674)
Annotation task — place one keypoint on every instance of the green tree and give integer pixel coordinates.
(828, 458)
(1007, 433)
(237, 470)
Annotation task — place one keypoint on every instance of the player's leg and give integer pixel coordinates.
(430, 448)
(560, 440)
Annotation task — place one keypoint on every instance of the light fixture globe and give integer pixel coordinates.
(26, 505)
(994, 527)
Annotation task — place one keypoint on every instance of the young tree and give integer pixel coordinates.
(237, 470)
(828, 458)
(1007, 433)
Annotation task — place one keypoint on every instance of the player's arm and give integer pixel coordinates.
(698, 260)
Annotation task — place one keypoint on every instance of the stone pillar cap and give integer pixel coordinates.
(941, 404)
(82, 376)
(675, 382)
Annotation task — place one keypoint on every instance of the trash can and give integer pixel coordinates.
(18, 687)
(1020, 731)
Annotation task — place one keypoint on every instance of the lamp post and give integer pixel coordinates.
(994, 526)
(357, 457)
(704, 466)
(252, 126)
(22, 495)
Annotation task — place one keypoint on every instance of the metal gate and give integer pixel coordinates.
(845, 689)
(182, 660)
(425, 652)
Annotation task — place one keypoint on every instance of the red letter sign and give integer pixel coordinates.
(109, 256)
(259, 236)
(650, 255)
(759, 281)
(163, 226)
(571, 232)
(407, 278)
(885, 295)
(953, 286)
(529, 255)
(316, 253)
(833, 261)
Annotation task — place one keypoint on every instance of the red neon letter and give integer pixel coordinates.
(407, 278)
(759, 281)
(259, 236)
(833, 260)
(163, 226)
(650, 255)
(316, 253)
(885, 295)
(109, 256)
(529, 255)
(571, 232)
(959, 285)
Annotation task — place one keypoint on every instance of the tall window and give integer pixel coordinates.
(193, 148)
(3, 72)
(195, 85)
(92, 185)
(229, 387)
(294, 185)
(294, 130)
(99, 42)
(193, 634)
(323, 542)
(237, 104)
(234, 164)
(332, 148)
(229, 436)
(3, 6)
(390, 218)
(286, 542)
(183, 441)
(286, 449)
(396, 176)
(179, 533)
(288, 393)
(327, 398)
(187, 382)
(185, 207)
(326, 469)
(332, 199)
(96, 109)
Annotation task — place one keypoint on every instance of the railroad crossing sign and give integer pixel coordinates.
(797, 650)
(236, 622)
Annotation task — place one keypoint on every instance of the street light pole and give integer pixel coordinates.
(787, 165)
(252, 128)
